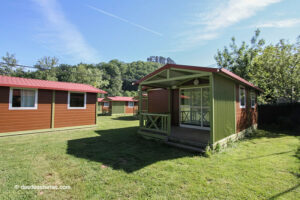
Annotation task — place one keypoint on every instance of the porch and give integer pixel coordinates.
(158, 126)
(179, 106)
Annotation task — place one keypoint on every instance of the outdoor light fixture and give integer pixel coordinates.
(196, 82)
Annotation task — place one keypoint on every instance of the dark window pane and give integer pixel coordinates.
(16, 100)
(76, 100)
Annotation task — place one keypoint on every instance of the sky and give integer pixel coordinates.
(93, 31)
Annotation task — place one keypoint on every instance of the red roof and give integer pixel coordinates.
(205, 69)
(121, 98)
(48, 85)
(101, 100)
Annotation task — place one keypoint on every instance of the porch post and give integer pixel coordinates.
(211, 84)
(53, 109)
(140, 104)
(169, 109)
(96, 107)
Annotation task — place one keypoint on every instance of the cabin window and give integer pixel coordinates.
(242, 97)
(130, 104)
(106, 104)
(22, 99)
(253, 100)
(76, 100)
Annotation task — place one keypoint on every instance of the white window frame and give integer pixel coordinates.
(253, 97)
(10, 107)
(245, 99)
(132, 105)
(76, 108)
(105, 105)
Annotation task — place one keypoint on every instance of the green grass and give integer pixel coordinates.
(112, 162)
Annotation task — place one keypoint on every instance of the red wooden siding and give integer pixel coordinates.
(22, 120)
(158, 101)
(106, 108)
(245, 117)
(132, 110)
(65, 117)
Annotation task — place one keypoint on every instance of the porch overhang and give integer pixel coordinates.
(173, 77)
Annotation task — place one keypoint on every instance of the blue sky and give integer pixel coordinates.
(92, 31)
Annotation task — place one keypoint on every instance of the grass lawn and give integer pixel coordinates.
(112, 162)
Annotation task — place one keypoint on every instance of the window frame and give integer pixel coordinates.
(132, 105)
(245, 99)
(76, 108)
(253, 97)
(105, 105)
(10, 107)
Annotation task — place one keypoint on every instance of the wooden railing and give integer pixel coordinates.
(160, 123)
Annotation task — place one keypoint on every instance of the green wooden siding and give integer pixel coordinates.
(224, 107)
(118, 107)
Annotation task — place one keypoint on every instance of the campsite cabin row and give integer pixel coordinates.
(117, 105)
(30, 104)
(196, 106)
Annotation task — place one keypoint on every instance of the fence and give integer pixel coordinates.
(279, 116)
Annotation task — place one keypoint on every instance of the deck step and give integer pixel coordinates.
(187, 142)
(183, 146)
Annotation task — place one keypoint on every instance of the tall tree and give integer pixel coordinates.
(239, 59)
(113, 75)
(276, 70)
(7, 65)
(46, 69)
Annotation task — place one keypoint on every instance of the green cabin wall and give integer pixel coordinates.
(224, 107)
(118, 107)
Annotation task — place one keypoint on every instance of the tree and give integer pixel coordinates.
(135, 71)
(277, 71)
(8, 64)
(46, 69)
(274, 68)
(112, 74)
(239, 59)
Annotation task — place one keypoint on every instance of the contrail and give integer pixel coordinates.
(124, 20)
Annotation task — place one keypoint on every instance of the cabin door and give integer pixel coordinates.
(195, 108)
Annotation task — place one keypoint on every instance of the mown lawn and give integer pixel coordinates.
(114, 163)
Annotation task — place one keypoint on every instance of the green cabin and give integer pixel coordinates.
(192, 107)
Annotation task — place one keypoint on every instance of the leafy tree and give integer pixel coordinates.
(277, 71)
(112, 74)
(7, 65)
(83, 73)
(135, 71)
(46, 69)
(239, 59)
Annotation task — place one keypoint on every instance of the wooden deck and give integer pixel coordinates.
(186, 137)
(195, 137)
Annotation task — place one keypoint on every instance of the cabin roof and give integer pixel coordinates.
(8, 81)
(204, 69)
(118, 98)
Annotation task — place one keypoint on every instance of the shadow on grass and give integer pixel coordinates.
(284, 192)
(126, 118)
(273, 154)
(122, 149)
(276, 131)
(267, 133)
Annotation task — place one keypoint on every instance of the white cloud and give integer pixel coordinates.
(233, 12)
(209, 25)
(125, 20)
(286, 23)
(62, 36)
